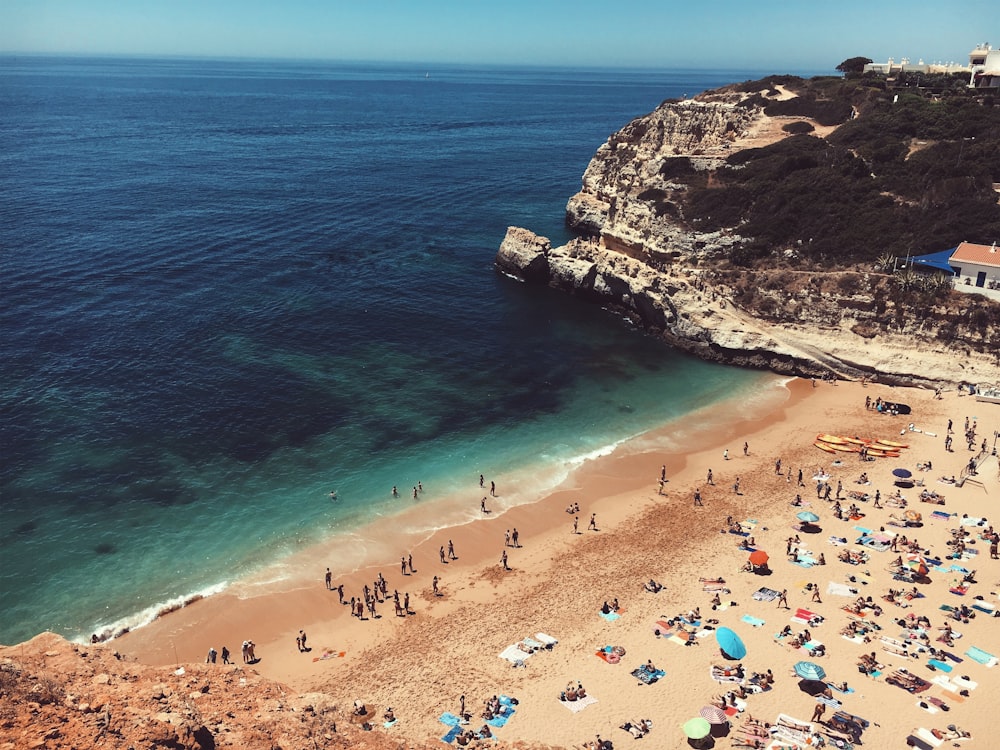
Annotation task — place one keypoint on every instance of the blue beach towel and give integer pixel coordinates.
(940, 665)
(837, 688)
(452, 734)
(755, 621)
(610, 616)
(978, 655)
(499, 721)
(450, 719)
(506, 700)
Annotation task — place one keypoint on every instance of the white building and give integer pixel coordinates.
(976, 265)
(984, 62)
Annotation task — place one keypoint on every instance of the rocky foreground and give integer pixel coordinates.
(637, 255)
(55, 694)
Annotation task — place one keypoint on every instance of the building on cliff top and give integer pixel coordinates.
(983, 67)
(976, 265)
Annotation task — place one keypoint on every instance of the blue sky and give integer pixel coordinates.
(790, 35)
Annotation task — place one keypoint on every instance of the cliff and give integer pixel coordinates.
(663, 237)
(54, 694)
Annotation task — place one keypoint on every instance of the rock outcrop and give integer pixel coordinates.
(636, 254)
(54, 694)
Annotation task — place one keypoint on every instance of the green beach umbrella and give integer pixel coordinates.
(697, 728)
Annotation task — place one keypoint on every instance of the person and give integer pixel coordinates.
(359, 708)
(434, 585)
(329, 579)
(605, 608)
(482, 480)
(736, 486)
(395, 491)
(710, 479)
(482, 505)
(663, 473)
(815, 595)
(725, 454)
(493, 489)
(576, 524)
(818, 712)
(821, 560)
(414, 492)
(593, 522)
(783, 599)
(697, 498)
(746, 449)
(212, 653)
(506, 538)
(389, 716)
(451, 550)
(513, 538)
(441, 554)
(503, 560)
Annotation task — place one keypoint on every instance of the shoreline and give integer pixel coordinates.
(422, 663)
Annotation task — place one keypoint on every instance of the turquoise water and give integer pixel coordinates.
(230, 288)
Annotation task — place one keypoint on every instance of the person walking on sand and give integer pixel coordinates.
(493, 489)
(815, 596)
(725, 454)
(329, 579)
(783, 599)
(746, 449)
(225, 655)
(818, 712)
(482, 506)
(212, 653)
(576, 524)
(710, 479)
(513, 538)
(736, 486)
(402, 564)
(801, 483)
(302, 633)
(503, 560)
(506, 538)
(593, 522)
(441, 553)
(340, 592)
(697, 497)
(409, 561)
(663, 473)
(451, 550)
(434, 586)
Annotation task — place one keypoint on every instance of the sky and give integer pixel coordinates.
(775, 35)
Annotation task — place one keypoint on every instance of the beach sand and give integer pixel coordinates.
(448, 647)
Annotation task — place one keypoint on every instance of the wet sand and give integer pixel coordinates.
(420, 664)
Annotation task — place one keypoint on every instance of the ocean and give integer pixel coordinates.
(230, 288)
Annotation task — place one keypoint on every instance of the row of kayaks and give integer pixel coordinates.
(876, 448)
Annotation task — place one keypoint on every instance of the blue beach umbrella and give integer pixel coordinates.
(808, 670)
(730, 643)
(902, 473)
(807, 517)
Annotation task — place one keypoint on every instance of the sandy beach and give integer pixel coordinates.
(448, 645)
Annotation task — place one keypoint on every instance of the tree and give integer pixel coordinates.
(853, 65)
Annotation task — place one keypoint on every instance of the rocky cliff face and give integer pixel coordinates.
(54, 694)
(638, 255)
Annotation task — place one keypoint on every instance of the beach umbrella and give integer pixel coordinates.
(714, 715)
(902, 473)
(807, 517)
(730, 643)
(912, 515)
(697, 728)
(758, 557)
(813, 687)
(917, 563)
(808, 670)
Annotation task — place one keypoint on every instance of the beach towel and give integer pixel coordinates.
(646, 677)
(450, 719)
(972, 521)
(985, 607)
(548, 640)
(940, 515)
(927, 736)
(837, 541)
(754, 621)
(609, 616)
(928, 707)
(840, 589)
(578, 705)
(765, 594)
(965, 684)
(499, 721)
(388, 724)
(451, 735)
(939, 665)
(982, 657)
(330, 655)
(832, 686)
(513, 654)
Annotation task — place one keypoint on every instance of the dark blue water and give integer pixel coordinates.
(229, 287)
